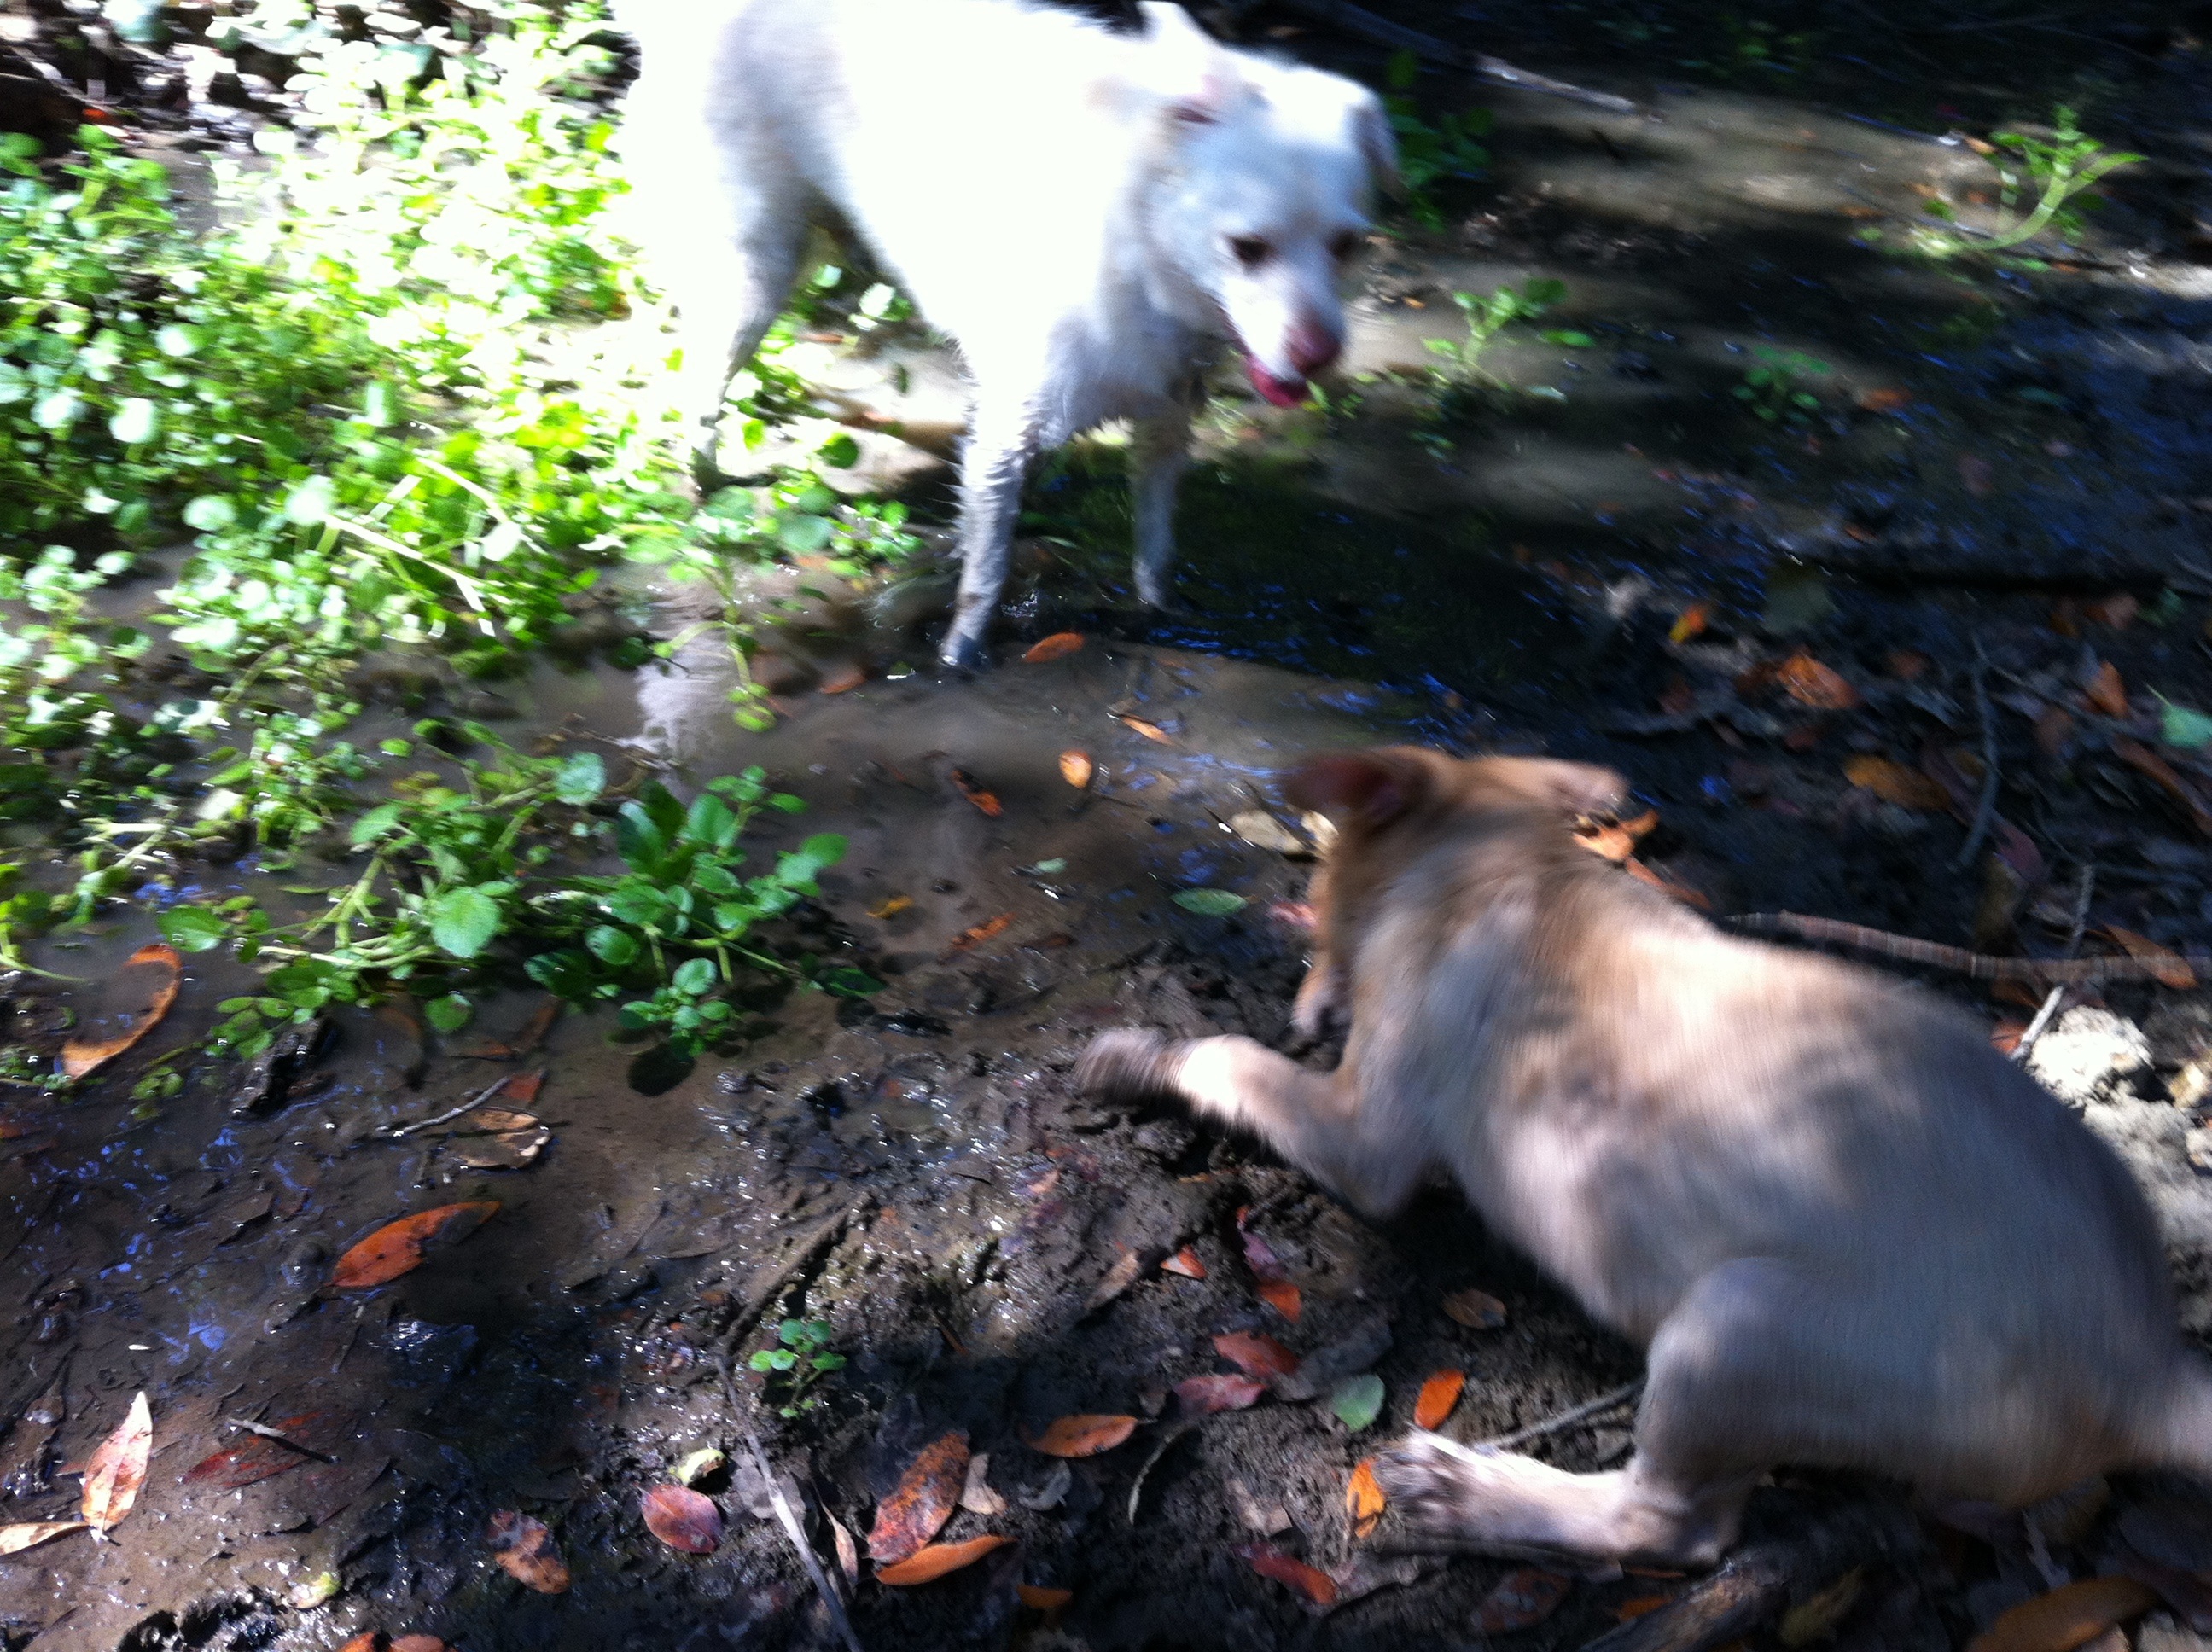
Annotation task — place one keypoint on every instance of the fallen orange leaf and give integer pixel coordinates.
(132, 1004)
(1283, 1297)
(1885, 401)
(1083, 1435)
(1438, 1395)
(1150, 731)
(1809, 682)
(114, 1472)
(1186, 1263)
(14, 1539)
(842, 677)
(1037, 1598)
(1521, 1599)
(1893, 782)
(1255, 1354)
(400, 1247)
(986, 930)
(1317, 1587)
(2070, 1616)
(1693, 619)
(2106, 692)
(1201, 1396)
(1363, 1500)
(524, 1549)
(2166, 967)
(522, 1088)
(257, 1458)
(972, 789)
(1478, 1310)
(365, 1642)
(1075, 767)
(1058, 645)
(939, 1558)
(921, 1502)
(684, 1520)
(892, 908)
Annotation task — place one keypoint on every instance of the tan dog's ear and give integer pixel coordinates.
(1371, 788)
(1573, 789)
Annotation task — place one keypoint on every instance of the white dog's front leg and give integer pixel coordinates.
(1158, 449)
(991, 471)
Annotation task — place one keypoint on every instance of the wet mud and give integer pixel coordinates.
(2007, 486)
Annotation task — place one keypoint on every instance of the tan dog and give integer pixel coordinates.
(1845, 1230)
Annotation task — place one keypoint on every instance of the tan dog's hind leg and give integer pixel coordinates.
(1311, 1119)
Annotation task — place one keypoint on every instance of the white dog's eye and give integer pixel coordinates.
(1344, 244)
(1251, 250)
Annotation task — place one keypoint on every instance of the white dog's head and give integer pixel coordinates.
(1262, 196)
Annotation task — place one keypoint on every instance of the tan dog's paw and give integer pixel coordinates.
(1127, 1064)
(1432, 1487)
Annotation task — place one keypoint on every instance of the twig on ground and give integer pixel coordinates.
(1620, 1396)
(2054, 1000)
(447, 1116)
(1358, 19)
(2026, 1045)
(1985, 810)
(1978, 966)
(279, 1436)
(831, 1600)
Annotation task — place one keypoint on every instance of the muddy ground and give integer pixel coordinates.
(2008, 482)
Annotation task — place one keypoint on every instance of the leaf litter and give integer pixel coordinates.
(130, 1005)
(924, 1499)
(1083, 1435)
(684, 1520)
(525, 1550)
(1363, 1498)
(1439, 1394)
(114, 1475)
(402, 1247)
(939, 1558)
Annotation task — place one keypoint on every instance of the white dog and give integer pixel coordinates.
(1086, 213)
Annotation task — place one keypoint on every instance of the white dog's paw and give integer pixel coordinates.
(1126, 1064)
(1433, 1487)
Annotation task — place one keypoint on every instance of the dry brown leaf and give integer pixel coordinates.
(524, 1551)
(892, 908)
(2066, 1617)
(848, 1552)
(499, 1140)
(1895, 782)
(1202, 1396)
(14, 1539)
(2106, 692)
(400, 1247)
(683, 1519)
(1363, 1500)
(1184, 1262)
(924, 1499)
(2144, 758)
(2166, 967)
(1037, 1598)
(132, 1004)
(1691, 621)
(1318, 1588)
(972, 789)
(1255, 1354)
(114, 1472)
(1283, 1297)
(1478, 1310)
(1438, 1395)
(933, 1562)
(1083, 1435)
(976, 1496)
(1150, 731)
(1521, 1599)
(1809, 682)
(1076, 768)
(988, 929)
(1058, 645)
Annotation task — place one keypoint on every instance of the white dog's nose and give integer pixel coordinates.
(1312, 346)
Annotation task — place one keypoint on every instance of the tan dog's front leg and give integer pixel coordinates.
(1312, 1119)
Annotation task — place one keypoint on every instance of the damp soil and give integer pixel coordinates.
(2008, 478)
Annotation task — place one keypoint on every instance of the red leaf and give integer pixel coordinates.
(922, 1501)
(1283, 1297)
(683, 1519)
(972, 789)
(1201, 1396)
(1255, 1354)
(1083, 1435)
(1521, 1599)
(1318, 1588)
(256, 1458)
(1186, 1263)
(400, 1247)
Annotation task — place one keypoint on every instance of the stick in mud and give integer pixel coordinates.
(1625, 1394)
(279, 1436)
(448, 1115)
(831, 1600)
(1979, 966)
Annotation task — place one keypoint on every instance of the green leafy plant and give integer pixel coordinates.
(799, 1362)
(1430, 152)
(1487, 317)
(1773, 388)
(2041, 183)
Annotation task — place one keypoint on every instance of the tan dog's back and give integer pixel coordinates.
(1847, 1230)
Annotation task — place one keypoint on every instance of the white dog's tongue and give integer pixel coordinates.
(1279, 392)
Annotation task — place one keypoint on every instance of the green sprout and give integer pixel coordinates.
(802, 1361)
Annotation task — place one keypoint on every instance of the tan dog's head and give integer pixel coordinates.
(1365, 794)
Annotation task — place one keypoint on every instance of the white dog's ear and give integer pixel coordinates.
(1378, 143)
(1200, 83)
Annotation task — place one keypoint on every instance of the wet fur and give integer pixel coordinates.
(1061, 200)
(1846, 1231)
